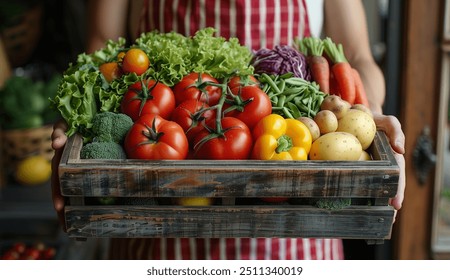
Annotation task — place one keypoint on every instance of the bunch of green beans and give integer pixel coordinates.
(292, 97)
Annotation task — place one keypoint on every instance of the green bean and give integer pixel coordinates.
(295, 111)
(287, 114)
(281, 101)
(271, 83)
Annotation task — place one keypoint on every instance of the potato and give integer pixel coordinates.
(360, 124)
(335, 104)
(362, 108)
(336, 146)
(326, 121)
(365, 156)
(312, 126)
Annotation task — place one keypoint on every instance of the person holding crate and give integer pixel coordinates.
(276, 22)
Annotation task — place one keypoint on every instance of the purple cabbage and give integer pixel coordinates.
(281, 60)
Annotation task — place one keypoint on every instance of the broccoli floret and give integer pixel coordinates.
(102, 150)
(110, 127)
(333, 203)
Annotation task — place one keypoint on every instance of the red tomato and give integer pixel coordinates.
(235, 143)
(238, 81)
(48, 253)
(19, 247)
(193, 86)
(11, 255)
(31, 254)
(155, 97)
(152, 137)
(135, 60)
(250, 103)
(190, 115)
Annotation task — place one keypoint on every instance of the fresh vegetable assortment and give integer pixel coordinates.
(205, 97)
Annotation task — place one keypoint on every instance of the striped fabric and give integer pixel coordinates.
(226, 249)
(257, 23)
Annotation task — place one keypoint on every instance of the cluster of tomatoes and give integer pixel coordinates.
(22, 251)
(133, 60)
(199, 117)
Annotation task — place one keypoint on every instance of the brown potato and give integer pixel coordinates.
(359, 124)
(327, 121)
(363, 108)
(312, 126)
(335, 104)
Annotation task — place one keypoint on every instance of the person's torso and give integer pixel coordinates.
(256, 23)
(226, 249)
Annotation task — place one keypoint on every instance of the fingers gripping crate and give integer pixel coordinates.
(236, 187)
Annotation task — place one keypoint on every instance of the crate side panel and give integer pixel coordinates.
(229, 182)
(231, 221)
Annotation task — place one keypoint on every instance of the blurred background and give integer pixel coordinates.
(410, 40)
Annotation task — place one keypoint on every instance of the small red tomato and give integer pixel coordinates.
(19, 247)
(10, 255)
(48, 253)
(135, 60)
(31, 254)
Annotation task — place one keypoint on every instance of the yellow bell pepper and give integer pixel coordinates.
(277, 138)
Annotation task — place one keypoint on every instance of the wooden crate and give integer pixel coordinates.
(236, 187)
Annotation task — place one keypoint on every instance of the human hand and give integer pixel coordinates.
(392, 127)
(59, 139)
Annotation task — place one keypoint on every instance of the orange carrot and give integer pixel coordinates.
(312, 48)
(360, 96)
(341, 69)
(334, 87)
(320, 72)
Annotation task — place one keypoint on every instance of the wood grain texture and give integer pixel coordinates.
(369, 184)
(364, 222)
(245, 178)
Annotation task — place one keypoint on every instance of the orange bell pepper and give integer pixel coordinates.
(277, 138)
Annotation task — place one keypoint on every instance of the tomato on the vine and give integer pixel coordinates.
(234, 141)
(135, 60)
(153, 137)
(242, 81)
(197, 86)
(249, 104)
(190, 115)
(148, 96)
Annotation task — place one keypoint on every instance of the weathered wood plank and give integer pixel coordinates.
(376, 178)
(355, 222)
(370, 184)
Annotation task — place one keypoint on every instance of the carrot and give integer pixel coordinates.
(360, 91)
(320, 70)
(334, 87)
(341, 69)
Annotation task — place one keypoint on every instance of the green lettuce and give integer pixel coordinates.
(84, 92)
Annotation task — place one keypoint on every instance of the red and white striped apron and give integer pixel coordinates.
(226, 249)
(257, 24)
